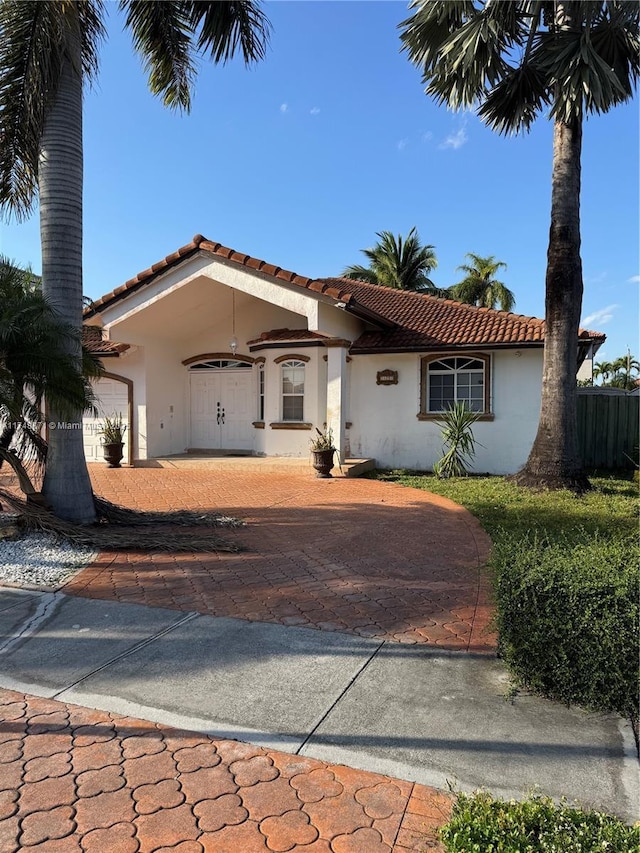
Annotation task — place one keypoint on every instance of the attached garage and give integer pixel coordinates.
(112, 398)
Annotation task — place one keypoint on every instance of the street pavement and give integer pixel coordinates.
(416, 713)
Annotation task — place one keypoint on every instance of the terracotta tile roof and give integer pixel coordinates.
(407, 321)
(288, 335)
(430, 322)
(93, 341)
(199, 243)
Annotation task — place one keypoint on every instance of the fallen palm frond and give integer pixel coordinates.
(116, 536)
(115, 514)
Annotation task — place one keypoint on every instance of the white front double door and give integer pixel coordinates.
(222, 409)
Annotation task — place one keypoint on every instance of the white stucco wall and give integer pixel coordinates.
(188, 311)
(202, 268)
(385, 426)
(338, 322)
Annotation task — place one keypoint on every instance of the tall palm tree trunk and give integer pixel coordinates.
(554, 460)
(66, 482)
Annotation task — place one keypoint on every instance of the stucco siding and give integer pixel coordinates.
(384, 418)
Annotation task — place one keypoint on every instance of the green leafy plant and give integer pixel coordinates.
(457, 435)
(113, 429)
(481, 824)
(568, 617)
(323, 440)
(565, 576)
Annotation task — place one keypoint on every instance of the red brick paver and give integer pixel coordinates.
(359, 556)
(194, 795)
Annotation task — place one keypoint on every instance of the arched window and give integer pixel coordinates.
(220, 364)
(292, 372)
(454, 379)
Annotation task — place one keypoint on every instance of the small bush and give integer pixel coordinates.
(568, 617)
(480, 824)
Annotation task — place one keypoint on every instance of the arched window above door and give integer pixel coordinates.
(221, 364)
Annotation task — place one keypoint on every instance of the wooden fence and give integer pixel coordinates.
(608, 430)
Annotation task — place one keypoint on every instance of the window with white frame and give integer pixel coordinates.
(261, 392)
(292, 373)
(446, 381)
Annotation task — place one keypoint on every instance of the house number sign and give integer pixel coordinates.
(387, 377)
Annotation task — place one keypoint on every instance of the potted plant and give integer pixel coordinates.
(322, 450)
(112, 431)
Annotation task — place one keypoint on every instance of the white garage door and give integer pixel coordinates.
(111, 398)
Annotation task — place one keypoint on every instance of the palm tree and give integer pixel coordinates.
(512, 61)
(403, 264)
(479, 287)
(625, 372)
(603, 370)
(34, 365)
(48, 50)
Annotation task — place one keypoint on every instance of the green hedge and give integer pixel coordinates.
(568, 618)
(480, 824)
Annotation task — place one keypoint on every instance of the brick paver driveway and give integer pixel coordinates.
(73, 780)
(359, 556)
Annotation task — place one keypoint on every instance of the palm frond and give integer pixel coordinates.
(402, 263)
(228, 26)
(35, 363)
(360, 273)
(516, 100)
(511, 60)
(163, 36)
(479, 285)
(33, 40)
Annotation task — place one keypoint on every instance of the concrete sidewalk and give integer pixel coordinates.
(414, 712)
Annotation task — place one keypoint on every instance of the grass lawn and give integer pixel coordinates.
(610, 510)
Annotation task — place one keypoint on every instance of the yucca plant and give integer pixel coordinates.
(457, 436)
(113, 429)
(323, 440)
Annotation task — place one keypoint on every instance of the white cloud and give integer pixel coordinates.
(455, 140)
(427, 137)
(402, 144)
(314, 111)
(600, 317)
(284, 108)
(635, 279)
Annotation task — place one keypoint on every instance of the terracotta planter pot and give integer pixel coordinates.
(323, 462)
(113, 454)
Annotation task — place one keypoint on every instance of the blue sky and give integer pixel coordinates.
(301, 160)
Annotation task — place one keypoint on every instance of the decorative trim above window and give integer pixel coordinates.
(218, 356)
(450, 378)
(259, 360)
(294, 357)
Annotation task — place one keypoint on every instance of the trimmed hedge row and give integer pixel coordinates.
(567, 617)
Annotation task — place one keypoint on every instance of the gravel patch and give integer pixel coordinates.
(41, 559)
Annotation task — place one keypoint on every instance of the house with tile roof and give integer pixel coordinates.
(212, 350)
